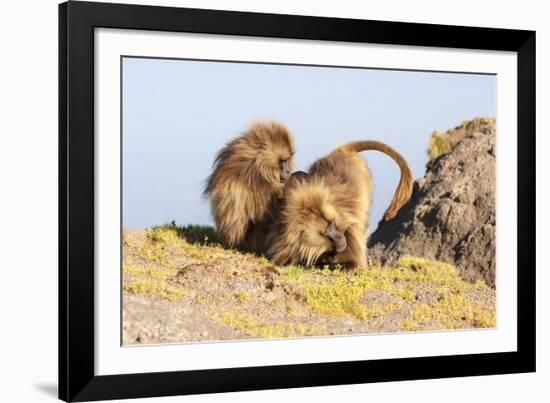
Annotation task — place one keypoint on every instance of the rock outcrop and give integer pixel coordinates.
(451, 215)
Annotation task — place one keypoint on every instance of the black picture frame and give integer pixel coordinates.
(77, 21)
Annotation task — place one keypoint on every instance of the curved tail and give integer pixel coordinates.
(404, 189)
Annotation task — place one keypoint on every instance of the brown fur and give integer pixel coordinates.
(245, 184)
(338, 189)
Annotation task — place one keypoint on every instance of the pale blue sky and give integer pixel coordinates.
(177, 114)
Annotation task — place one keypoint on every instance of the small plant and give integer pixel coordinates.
(438, 145)
(441, 143)
(295, 273)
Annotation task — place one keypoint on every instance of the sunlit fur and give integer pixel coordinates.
(245, 184)
(338, 189)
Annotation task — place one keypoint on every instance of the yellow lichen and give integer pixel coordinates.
(339, 293)
(256, 327)
(162, 234)
(452, 312)
(240, 296)
(211, 254)
(154, 287)
(150, 280)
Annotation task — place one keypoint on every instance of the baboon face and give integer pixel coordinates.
(336, 237)
(319, 231)
(274, 160)
(272, 152)
(285, 169)
(312, 215)
(274, 163)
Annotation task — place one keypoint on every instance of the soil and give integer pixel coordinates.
(175, 291)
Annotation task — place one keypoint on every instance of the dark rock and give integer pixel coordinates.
(451, 214)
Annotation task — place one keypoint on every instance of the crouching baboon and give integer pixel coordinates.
(324, 215)
(247, 180)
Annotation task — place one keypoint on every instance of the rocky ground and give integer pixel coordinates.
(179, 286)
(451, 215)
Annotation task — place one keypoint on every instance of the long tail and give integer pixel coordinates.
(404, 189)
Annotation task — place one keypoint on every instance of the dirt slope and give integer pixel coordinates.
(178, 291)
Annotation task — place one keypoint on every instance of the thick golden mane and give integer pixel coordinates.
(245, 180)
(333, 201)
(307, 209)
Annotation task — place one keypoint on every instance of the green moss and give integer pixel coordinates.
(157, 239)
(452, 312)
(452, 309)
(150, 280)
(429, 271)
(484, 318)
(340, 293)
(162, 234)
(295, 273)
(162, 242)
(153, 253)
(256, 327)
(342, 298)
(210, 254)
(154, 287)
(480, 284)
(137, 270)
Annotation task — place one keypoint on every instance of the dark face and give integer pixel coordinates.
(285, 168)
(337, 239)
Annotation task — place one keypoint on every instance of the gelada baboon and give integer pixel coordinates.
(324, 216)
(248, 178)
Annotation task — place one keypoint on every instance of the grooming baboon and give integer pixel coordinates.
(247, 180)
(324, 216)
